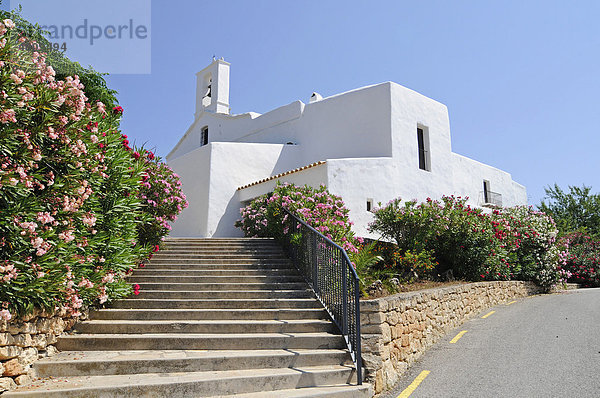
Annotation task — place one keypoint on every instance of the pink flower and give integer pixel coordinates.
(108, 278)
(67, 236)
(8, 115)
(5, 314)
(45, 217)
(89, 219)
(8, 23)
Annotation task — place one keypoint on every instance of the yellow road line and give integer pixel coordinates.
(488, 314)
(512, 302)
(413, 386)
(457, 337)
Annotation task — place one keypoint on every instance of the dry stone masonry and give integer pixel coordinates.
(396, 330)
(24, 341)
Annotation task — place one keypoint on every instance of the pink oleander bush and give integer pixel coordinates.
(513, 243)
(583, 261)
(73, 193)
(161, 197)
(320, 209)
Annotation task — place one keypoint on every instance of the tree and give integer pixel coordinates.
(93, 81)
(576, 210)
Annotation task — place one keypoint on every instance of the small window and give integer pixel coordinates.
(486, 191)
(423, 144)
(204, 136)
(369, 204)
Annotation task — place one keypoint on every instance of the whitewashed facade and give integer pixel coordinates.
(367, 145)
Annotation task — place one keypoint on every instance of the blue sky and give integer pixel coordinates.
(520, 78)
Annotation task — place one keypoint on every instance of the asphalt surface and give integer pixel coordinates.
(540, 346)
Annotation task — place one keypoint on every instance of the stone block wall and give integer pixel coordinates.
(25, 340)
(396, 330)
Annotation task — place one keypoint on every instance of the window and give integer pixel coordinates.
(204, 136)
(423, 143)
(369, 204)
(486, 191)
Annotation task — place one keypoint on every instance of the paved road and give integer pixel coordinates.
(541, 346)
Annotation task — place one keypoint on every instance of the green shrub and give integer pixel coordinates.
(320, 209)
(421, 265)
(583, 261)
(516, 243)
(162, 199)
(70, 200)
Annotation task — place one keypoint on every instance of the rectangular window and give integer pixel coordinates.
(423, 143)
(486, 191)
(204, 136)
(369, 204)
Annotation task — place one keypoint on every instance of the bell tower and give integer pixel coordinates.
(212, 88)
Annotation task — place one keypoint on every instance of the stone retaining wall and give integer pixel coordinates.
(396, 330)
(26, 340)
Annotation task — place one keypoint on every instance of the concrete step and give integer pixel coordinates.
(217, 303)
(174, 341)
(334, 391)
(220, 246)
(223, 286)
(205, 250)
(221, 256)
(214, 314)
(225, 294)
(188, 384)
(208, 326)
(227, 261)
(148, 271)
(222, 267)
(135, 278)
(257, 241)
(227, 240)
(98, 363)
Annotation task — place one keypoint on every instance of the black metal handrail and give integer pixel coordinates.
(329, 272)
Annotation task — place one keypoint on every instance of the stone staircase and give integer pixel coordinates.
(214, 317)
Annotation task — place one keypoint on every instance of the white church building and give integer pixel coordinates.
(367, 145)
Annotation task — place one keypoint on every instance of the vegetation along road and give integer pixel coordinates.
(541, 346)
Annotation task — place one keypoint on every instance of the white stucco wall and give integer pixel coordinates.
(193, 170)
(211, 176)
(314, 177)
(468, 176)
(352, 124)
(410, 110)
(357, 180)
